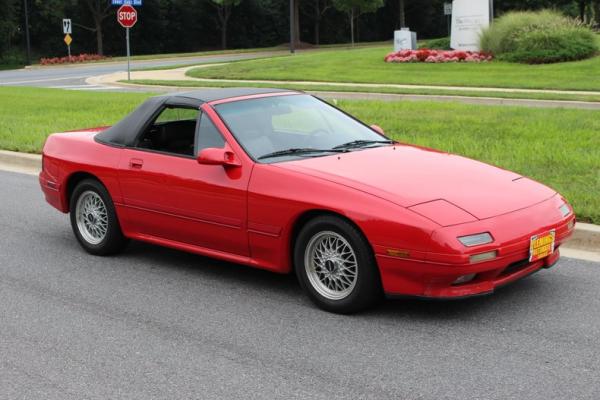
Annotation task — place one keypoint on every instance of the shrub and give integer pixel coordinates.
(538, 37)
(437, 44)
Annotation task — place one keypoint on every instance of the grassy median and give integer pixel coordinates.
(367, 66)
(556, 146)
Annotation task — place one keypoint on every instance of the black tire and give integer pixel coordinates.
(366, 290)
(113, 240)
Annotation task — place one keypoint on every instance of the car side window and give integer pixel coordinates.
(172, 131)
(208, 136)
(172, 114)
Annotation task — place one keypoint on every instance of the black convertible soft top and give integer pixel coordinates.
(125, 132)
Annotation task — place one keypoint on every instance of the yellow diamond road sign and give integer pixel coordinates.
(68, 39)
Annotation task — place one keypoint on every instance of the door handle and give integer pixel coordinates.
(136, 163)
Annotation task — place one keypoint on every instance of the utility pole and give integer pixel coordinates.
(28, 54)
(292, 19)
(491, 10)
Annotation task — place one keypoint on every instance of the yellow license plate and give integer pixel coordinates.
(541, 246)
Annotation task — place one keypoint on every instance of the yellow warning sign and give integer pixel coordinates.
(68, 39)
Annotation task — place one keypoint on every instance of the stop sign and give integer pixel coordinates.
(127, 16)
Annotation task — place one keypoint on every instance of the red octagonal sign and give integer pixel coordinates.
(127, 16)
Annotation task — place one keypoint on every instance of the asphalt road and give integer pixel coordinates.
(73, 77)
(154, 323)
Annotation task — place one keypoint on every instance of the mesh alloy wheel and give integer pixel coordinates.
(92, 217)
(331, 265)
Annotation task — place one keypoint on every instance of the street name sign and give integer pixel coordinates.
(130, 2)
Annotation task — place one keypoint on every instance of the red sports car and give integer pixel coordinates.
(283, 181)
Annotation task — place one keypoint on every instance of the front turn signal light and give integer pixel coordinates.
(489, 255)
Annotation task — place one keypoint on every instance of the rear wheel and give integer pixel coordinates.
(94, 220)
(335, 266)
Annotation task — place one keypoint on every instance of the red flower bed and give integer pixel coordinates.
(437, 56)
(73, 59)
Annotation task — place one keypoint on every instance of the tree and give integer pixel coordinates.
(8, 24)
(401, 14)
(297, 21)
(99, 10)
(355, 8)
(582, 5)
(224, 8)
(320, 6)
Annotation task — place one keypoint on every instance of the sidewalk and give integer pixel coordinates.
(179, 74)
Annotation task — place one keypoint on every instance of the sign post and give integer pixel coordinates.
(127, 17)
(67, 30)
(448, 14)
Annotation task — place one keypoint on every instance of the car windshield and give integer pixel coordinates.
(280, 128)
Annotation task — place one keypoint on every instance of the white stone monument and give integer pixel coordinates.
(404, 39)
(469, 18)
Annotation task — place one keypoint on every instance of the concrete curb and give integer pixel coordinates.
(116, 80)
(492, 101)
(180, 74)
(20, 162)
(106, 80)
(585, 242)
(586, 237)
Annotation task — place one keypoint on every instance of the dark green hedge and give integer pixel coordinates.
(539, 38)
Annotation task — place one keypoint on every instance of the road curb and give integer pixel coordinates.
(116, 79)
(32, 162)
(491, 101)
(585, 238)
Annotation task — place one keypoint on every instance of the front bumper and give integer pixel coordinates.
(433, 275)
(486, 281)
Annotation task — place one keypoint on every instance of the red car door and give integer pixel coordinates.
(173, 197)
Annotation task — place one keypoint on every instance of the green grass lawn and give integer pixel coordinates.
(390, 90)
(366, 65)
(556, 146)
(28, 115)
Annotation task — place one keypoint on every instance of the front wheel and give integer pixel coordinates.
(335, 266)
(94, 220)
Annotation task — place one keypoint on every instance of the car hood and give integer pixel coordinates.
(446, 188)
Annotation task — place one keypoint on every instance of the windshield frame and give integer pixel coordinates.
(215, 105)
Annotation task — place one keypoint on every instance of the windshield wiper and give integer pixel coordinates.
(362, 143)
(289, 152)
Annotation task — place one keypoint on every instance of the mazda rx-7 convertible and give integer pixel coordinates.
(281, 180)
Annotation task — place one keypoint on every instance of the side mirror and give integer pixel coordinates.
(214, 156)
(378, 129)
